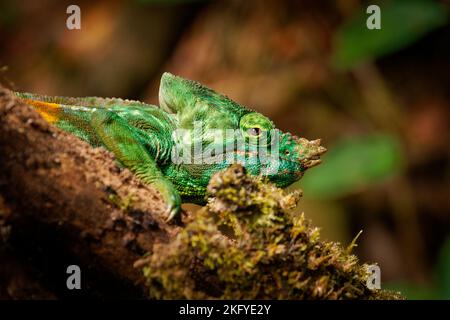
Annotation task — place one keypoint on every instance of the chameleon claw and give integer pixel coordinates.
(172, 212)
(170, 196)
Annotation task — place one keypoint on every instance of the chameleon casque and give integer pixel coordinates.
(140, 136)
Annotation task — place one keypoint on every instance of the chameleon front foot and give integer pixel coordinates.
(170, 196)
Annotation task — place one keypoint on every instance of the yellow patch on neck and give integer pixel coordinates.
(49, 111)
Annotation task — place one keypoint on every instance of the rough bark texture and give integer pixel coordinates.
(63, 194)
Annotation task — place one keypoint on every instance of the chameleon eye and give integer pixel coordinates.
(254, 132)
(257, 128)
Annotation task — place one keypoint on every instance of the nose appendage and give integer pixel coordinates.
(310, 152)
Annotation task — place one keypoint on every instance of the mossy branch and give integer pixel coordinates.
(250, 246)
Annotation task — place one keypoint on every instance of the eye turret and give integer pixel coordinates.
(256, 128)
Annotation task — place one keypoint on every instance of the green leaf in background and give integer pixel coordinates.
(443, 271)
(353, 164)
(413, 291)
(402, 23)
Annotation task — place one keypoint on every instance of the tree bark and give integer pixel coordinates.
(69, 202)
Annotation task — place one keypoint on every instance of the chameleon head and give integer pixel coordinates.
(306, 152)
(192, 102)
(294, 155)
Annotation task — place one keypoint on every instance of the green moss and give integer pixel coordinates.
(123, 203)
(245, 244)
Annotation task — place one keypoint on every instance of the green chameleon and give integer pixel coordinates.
(141, 137)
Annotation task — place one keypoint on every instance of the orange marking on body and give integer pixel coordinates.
(48, 110)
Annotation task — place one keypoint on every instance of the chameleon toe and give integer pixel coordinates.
(172, 212)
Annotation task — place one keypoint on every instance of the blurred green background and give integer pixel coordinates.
(379, 99)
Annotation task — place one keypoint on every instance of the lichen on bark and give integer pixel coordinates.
(247, 244)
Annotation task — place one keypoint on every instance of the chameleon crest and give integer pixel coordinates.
(178, 146)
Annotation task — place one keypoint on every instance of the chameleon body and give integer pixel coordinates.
(141, 137)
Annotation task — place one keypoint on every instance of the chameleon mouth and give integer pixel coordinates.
(310, 152)
(312, 162)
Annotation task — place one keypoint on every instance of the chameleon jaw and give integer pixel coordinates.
(311, 163)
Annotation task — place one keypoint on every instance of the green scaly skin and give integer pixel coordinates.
(140, 136)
